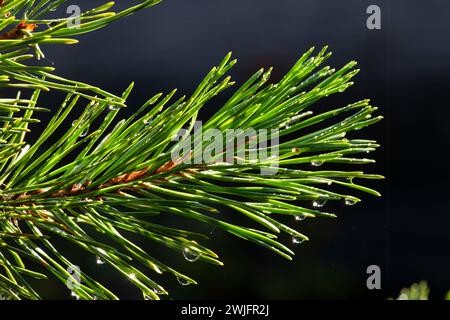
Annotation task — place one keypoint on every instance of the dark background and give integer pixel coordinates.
(405, 70)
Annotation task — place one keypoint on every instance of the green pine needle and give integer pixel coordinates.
(105, 178)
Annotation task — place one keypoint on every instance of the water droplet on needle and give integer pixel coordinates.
(319, 203)
(297, 240)
(316, 163)
(183, 281)
(84, 132)
(190, 254)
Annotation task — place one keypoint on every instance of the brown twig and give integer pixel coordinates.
(18, 31)
(79, 189)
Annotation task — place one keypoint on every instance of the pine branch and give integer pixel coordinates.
(104, 179)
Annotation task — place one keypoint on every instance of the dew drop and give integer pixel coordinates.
(183, 281)
(159, 290)
(319, 203)
(316, 163)
(113, 107)
(350, 201)
(84, 132)
(99, 260)
(300, 217)
(297, 240)
(74, 123)
(146, 296)
(295, 150)
(190, 255)
(73, 294)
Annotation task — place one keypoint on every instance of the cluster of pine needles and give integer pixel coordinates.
(92, 179)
